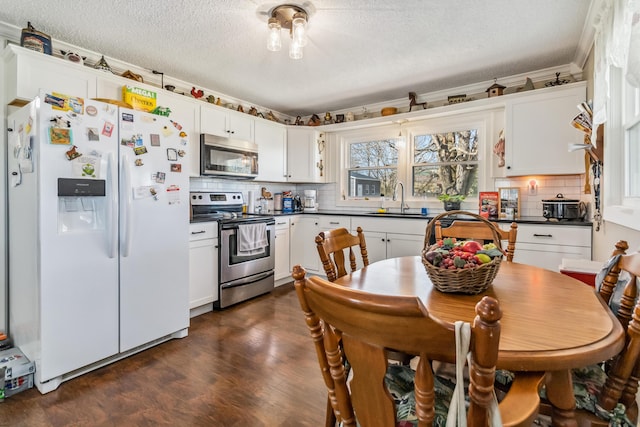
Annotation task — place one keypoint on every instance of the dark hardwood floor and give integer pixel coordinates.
(249, 365)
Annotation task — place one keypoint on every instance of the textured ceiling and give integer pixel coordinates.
(359, 51)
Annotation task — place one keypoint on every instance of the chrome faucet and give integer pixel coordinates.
(403, 205)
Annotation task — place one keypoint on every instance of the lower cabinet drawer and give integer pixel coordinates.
(554, 235)
(203, 230)
(333, 222)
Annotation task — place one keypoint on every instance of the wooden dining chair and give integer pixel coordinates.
(332, 245)
(378, 394)
(474, 230)
(610, 388)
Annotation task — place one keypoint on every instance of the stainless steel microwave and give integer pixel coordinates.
(228, 158)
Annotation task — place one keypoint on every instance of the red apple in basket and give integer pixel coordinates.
(471, 246)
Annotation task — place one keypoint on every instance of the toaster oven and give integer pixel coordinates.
(562, 209)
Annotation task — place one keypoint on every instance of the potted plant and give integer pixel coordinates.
(451, 201)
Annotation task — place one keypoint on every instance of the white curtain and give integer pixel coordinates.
(617, 43)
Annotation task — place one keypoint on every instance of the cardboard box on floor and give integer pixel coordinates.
(18, 372)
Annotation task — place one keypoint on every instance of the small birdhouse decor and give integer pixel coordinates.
(495, 89)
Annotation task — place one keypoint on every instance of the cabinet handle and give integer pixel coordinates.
(198, 232)
(280, 223)
(334, 222)
(542, 235)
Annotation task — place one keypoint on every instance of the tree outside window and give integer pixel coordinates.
(373, 167)
(445, 163)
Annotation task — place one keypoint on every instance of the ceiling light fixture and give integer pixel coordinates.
(292, 18)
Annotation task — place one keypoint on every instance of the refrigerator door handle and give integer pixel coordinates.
(126, 189)
(112, 209)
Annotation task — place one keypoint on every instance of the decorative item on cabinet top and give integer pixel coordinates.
(103, 65)
(73, 57)
(35, 40)
(413, 102)
(133, 76)
(495, 89)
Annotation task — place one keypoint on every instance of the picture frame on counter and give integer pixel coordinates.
(509, 202)
(488, 204)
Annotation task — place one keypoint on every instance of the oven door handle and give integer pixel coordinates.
(234, 226)
(245, 280)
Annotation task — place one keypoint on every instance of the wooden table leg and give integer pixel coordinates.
(560, 394)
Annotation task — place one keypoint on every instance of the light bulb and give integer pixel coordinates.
(299, 29)
(295, 50)
(274, 42)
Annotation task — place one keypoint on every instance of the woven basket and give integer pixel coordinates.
(468, 280)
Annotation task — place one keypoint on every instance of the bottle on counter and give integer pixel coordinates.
(383, 208)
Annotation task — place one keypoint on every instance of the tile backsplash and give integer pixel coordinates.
(571, 186)
(548, 186)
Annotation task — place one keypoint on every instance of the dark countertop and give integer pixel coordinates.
(415, 215)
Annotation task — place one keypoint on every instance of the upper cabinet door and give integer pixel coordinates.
(26, 72)
(218, 121)
(539, 131)
(303, 157)
(272, 141)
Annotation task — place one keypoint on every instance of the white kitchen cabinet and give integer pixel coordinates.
(27, 71)
(538, 132)
(544, 245)
(271, 138)
(282, 268)
(222, 121)
(390, 237)
(304, 229)
(305, 150)
(203, 264)
(392, 245)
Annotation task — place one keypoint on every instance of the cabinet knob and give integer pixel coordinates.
(508, 167)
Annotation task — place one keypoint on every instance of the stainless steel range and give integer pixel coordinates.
(247, 249)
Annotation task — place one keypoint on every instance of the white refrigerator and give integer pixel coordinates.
(98, 214)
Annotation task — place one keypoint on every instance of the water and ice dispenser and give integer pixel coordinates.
(81, 205)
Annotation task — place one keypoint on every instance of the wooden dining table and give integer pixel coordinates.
(551, 322)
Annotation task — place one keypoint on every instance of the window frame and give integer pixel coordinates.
(440, 128)
(624, 112)
(486, 121)
(344, 140)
